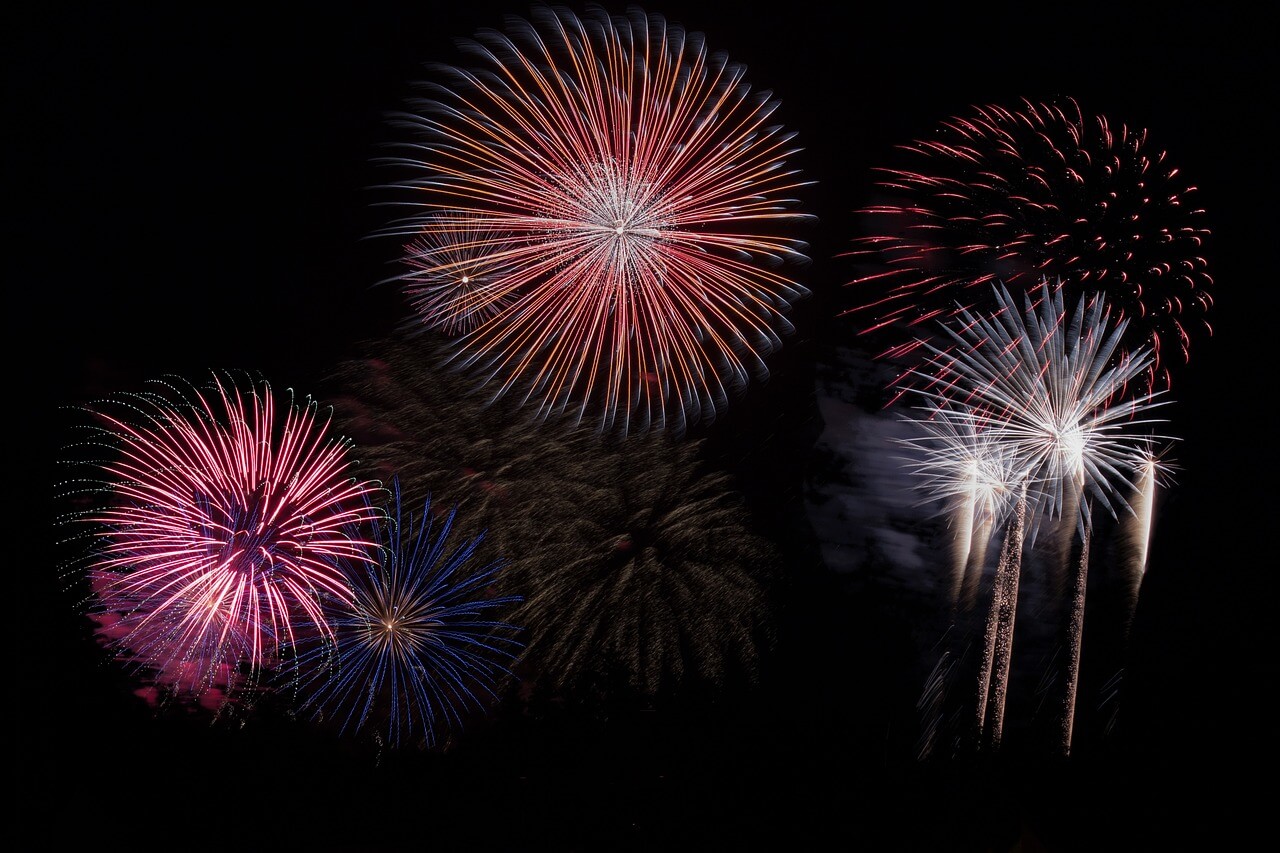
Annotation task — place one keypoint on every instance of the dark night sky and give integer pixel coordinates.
(192, 193)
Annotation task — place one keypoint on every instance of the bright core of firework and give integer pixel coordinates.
(638, 185)
(1048, 383)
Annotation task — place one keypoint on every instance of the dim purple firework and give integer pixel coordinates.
(223, 530)
(1012, 196)
(638, 184)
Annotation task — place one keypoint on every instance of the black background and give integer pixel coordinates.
(192, 193)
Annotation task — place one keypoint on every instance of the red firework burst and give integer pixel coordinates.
(226, 527)
(1021, 196)
(637, 184)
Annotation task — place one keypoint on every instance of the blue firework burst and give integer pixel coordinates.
(421, 646)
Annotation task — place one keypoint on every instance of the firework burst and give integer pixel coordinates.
(222, 533)
(638, 184)
(1046, 381)
(417, 649)
(457, 266)
(642, 575)
(965, 465)
(1041, 384)
(1046, 190)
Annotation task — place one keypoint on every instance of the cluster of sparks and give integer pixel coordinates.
(227, 525)
(1012, 196)
(230, 535)
(1026, 429)
(620, 187)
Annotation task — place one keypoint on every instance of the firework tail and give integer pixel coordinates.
(976, 560)
(961, 547)
(997, 638)
(988, 655)
(1138, 534)
(1007, 573)
(1075, 637)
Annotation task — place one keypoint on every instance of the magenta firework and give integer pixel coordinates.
(223, 528)
(642, 195)
(1012, 196)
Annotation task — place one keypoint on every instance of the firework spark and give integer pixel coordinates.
(417, 649)
(222, 533)
(638, 184)
(1046, 190)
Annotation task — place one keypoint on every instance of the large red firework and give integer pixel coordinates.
(638, 187)
(1020, 196)
(225, 528)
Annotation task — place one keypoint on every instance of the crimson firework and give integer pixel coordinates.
(1016, 195)
(638, 185)
(224, 530)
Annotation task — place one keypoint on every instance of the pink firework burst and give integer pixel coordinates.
(227, 525)
(1015, 196)
(639, 186)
